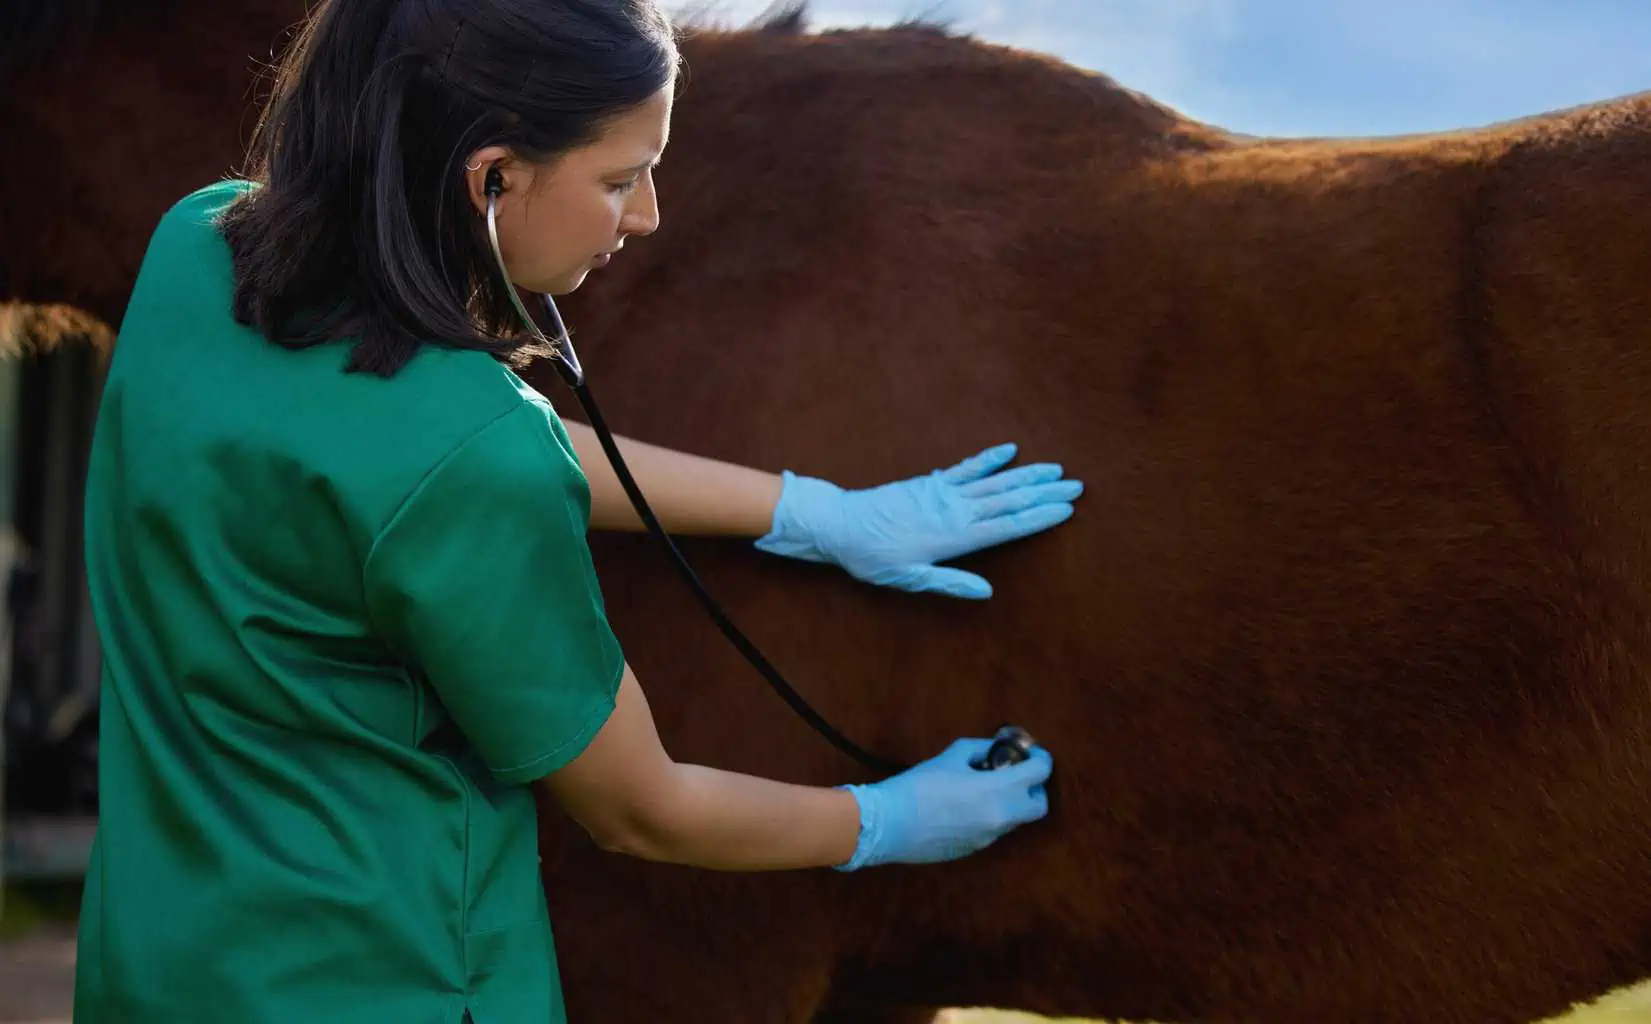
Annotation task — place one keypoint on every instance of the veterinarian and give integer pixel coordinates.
(338, 560)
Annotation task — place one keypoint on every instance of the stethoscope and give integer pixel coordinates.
(1010, 745)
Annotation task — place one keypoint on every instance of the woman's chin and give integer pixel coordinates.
(570, 283)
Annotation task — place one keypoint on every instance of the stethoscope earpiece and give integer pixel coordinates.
(566, 360)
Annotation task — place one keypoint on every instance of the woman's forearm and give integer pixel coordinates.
(632, 798)
(689, 493)
(725, 821)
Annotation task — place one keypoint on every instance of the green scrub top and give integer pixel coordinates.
(345, 619)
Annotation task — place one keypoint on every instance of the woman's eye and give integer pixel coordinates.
(624, 186)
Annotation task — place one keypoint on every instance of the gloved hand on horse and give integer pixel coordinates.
(895, 534)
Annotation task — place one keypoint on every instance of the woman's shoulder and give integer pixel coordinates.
(444, 396)
(454, 425)
(191, 222)
(203, 206)
(460, 391)
(214, 197)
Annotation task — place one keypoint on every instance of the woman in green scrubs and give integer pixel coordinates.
(338, 560)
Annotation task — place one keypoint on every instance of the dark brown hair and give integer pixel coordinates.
(361, 227)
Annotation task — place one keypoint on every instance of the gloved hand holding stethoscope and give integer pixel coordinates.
(956, 803)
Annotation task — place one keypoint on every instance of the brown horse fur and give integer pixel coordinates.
(1344, 660)
(132, 110)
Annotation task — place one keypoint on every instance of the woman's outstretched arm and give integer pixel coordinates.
(690, 494)
(895, 535)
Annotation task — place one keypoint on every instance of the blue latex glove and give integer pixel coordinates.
(894, 534)
(943, 809)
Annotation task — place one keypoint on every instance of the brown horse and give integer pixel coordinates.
(1344, 660)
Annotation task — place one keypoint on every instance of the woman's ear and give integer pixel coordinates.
(477, 166)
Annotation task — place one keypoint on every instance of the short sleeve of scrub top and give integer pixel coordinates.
(484, 580)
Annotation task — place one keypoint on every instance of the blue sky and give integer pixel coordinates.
(1311, 67)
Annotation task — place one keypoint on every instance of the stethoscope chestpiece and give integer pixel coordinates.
(1010, 745)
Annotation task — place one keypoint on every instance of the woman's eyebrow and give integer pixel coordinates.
(638, 168)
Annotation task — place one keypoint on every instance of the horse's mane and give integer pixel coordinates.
(788, 18)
